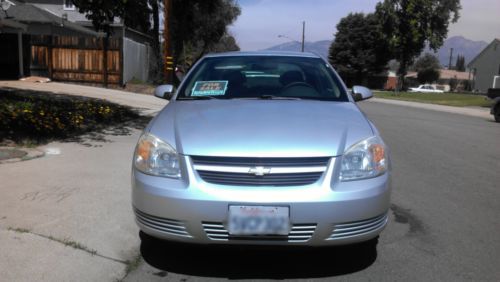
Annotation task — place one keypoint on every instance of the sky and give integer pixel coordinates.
(261, 21)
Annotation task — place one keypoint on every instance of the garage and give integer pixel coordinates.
(11, 63)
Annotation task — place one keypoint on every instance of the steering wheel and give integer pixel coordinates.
(297, 83)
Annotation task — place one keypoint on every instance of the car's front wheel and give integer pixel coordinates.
(496, 112)
(148, 240)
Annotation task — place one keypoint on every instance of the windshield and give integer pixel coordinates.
(262, 77)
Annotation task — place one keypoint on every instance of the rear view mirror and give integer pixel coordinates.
(360, 93)
(165, 91)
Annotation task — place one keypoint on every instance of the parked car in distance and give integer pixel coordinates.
(261, 148)
(426, 88)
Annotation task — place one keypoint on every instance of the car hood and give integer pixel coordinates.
(261, 128)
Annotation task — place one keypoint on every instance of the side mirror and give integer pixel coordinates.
(360, 93)
(165, 91)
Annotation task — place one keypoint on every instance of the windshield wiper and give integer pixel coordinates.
(273, 97)
(197, 98)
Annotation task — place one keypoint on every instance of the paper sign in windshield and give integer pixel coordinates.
(209, 88)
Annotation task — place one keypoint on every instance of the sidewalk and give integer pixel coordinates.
(469, 111)
(67, 216)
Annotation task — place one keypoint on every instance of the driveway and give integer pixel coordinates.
(67, 216)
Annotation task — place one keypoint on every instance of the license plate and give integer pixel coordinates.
(258, 220)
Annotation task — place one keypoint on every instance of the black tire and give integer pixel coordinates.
(496, 113)
(148, 240)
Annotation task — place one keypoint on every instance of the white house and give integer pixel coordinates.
(486, 66)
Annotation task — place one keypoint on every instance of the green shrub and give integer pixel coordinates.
(40, 115)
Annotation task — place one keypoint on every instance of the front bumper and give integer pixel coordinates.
(327, 212)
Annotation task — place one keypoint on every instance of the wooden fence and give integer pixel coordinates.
(76, 59)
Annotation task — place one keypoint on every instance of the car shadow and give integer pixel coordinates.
(257, 262)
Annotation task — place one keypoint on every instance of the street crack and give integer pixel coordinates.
(69, 243)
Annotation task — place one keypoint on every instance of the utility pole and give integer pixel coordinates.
(167, 39)
(294, 40)
(451, 56)
(303, 34)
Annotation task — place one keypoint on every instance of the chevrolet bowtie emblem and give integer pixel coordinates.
(259, 171)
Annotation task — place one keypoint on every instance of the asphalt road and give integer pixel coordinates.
(444, 224)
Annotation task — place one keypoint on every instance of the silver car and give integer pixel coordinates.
(261, 148)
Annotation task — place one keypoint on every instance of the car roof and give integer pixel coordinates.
(264, 53)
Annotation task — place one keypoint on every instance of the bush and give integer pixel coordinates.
(40, 115)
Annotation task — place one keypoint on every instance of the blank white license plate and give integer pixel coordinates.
(258, 220)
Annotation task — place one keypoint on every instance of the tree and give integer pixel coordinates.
(410, 24)
(137, 14)
(198, 25)
(191, 53)
(359, 49)
(427, 68)
(227, 43)
(460, 64)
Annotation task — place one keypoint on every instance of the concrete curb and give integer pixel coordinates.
(468, 111)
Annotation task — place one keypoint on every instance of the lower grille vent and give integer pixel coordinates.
(298, 233)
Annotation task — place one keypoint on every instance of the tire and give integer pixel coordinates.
(148, 240)
(496, 112)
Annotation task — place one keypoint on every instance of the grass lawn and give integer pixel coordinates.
(448, 99)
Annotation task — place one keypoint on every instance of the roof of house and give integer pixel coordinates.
(411, 74)
(12, 24)
(448, 74)
(496, 40)
(30, 14)
(445, 74)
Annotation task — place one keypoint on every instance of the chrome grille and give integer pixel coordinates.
(165, 225)
(282, 179)
(260, 171)
(299, 233)
(358, 227)
(279, 162)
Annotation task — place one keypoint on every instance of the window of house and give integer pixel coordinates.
(68, 5)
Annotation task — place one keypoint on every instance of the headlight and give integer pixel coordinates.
(365, 159)
(155, 157)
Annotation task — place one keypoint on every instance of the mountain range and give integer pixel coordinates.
(461, 46)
